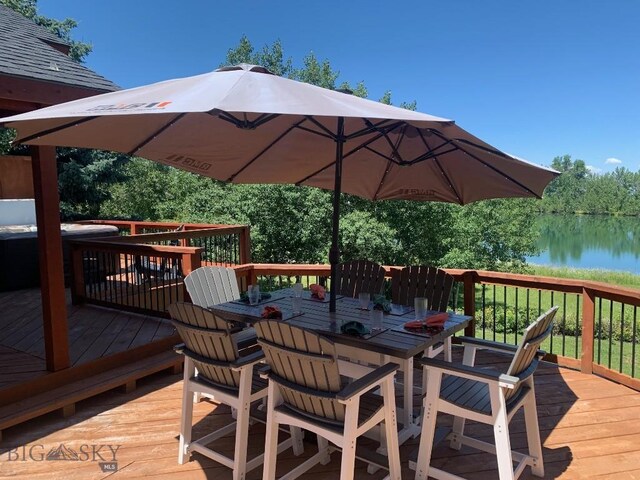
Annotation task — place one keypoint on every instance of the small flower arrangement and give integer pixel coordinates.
(381, 303)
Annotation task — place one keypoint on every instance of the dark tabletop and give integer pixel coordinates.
(393, 340)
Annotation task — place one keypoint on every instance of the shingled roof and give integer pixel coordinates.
(31, 51)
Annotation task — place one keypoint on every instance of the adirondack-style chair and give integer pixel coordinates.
(208, 286)
(223, 373)
(428, 282)
(487, 396)
(359, 276)
(306, 390)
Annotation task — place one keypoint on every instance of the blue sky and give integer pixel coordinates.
(534, 78)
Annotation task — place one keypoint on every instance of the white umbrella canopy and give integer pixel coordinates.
(243, 124)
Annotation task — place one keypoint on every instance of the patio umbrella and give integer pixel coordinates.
(243, 124)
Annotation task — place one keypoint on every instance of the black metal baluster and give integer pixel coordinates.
(634, 340)
(484, 312)
(610, 332)
(564, 322)
(622, 305)
(515, 327)
(578, 327)
(599, 329)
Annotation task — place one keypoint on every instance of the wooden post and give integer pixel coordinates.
(470, 302)
(588, 318)
(252, 277)
(77, 275)
(245, 245)
(190, 261)
(54, 308)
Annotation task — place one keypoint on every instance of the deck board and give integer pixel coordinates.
(94, 332)
(590, 429)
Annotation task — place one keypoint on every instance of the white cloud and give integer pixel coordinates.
(593, 169)
(613, 161)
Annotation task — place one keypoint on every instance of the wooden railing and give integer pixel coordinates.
(596, 327)
(144, 272)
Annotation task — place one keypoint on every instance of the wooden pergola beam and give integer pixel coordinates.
(54, 305)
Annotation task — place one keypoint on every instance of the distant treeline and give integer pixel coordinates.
(579, 190)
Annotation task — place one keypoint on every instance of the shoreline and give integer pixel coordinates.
(614, 277)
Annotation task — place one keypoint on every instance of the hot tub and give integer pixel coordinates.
(19, 266)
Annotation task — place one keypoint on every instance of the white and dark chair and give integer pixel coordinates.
(227, 376)
(208, 286)
(487, 396)
(307, 391)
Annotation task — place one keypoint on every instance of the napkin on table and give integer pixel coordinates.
(317, 291)
(438, 320)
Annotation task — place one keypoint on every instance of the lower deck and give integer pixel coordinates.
(590, 428)
(94, 333)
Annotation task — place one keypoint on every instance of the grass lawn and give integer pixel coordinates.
(572, 349)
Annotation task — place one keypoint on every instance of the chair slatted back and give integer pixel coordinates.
(531, 340)
(422, 281)
(307, 361)
(359, 276)
(208, 286)
(209, 337)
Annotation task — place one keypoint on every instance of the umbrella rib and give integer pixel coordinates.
(498, 171)
(319, 125)
(315, 173)
(265, 149)
(151, 137)
(49, 131)
(435, 158)
(365, 145)
(376, 127)
(384, 177)
(227, 117)
(395, 152)
(315, 132)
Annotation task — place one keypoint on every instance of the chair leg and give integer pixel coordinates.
(271, 435)
(242, 424)
(533, 433)
(296, 441)
(323, 449)
(501, 434)
(186, 420)
(347, 467)
(390, 429)
(458, 433)
(447, 349)
(429, 417)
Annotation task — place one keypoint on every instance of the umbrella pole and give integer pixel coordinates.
(334, 252)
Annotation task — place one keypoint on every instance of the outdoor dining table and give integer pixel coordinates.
(392, 343)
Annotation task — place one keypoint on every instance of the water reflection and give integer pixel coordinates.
(589, 242)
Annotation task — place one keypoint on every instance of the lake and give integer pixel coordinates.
(589, 241)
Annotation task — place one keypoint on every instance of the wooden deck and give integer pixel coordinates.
(590, 429)
(94, 333)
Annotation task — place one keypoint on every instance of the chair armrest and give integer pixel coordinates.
(253, 357)
(367, 382)
(472, 373)
(179, 348)
(488, 344)
(264, 371)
